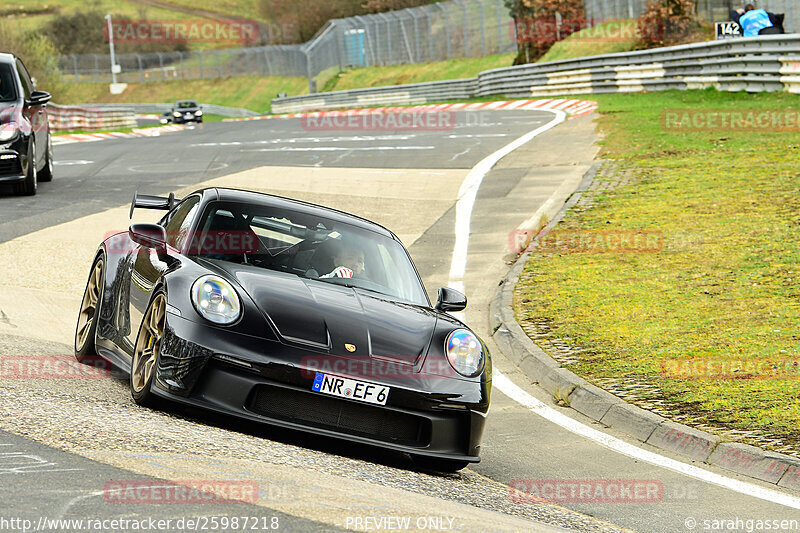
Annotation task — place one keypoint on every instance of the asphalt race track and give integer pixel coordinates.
(63, 440)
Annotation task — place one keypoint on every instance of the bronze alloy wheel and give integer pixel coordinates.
(148, 344)
(87, 316)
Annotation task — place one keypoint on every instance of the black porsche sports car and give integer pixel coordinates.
(291, 314)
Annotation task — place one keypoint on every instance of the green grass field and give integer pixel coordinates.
(723, 289)
(606, 38)
(401, 74)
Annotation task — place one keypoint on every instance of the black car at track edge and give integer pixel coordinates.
(291, 314)
(26, 148)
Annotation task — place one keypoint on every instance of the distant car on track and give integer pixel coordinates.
(291, 314)
(26, 149)
(185, 111)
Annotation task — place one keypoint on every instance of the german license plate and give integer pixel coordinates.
(350, 388)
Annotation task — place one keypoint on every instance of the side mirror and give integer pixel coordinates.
(149, 235)
(39, 98)
(451, 300)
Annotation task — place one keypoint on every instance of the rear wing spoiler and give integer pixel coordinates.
(146, 201)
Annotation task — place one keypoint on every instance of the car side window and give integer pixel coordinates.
(27, 84)
(180, 221)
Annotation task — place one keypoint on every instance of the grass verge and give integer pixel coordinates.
(452, 69)
(606, 38)
(707, 324)
(250, 92)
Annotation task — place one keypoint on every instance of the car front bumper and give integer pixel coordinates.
(184, 120)
(424, 415)
(10, 164)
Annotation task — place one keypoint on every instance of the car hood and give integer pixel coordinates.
(326, 317)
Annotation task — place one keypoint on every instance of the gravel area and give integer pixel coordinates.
(93, 417)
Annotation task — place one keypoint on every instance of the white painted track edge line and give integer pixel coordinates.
(513, 391)
(469, 189)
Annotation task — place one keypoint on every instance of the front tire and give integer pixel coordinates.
(89, 315)
(47, 172)
(29, 186)
(146, 351)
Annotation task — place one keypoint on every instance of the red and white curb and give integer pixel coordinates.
(573, 108)
(89, 137)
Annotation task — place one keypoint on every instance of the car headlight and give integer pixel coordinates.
(465, 353)
(199, 112)
(8, 131)
(175, 114)
(216, 300)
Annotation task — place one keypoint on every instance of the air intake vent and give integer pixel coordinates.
(344, 416)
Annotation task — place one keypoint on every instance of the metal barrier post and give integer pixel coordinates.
(446, 25)
(429, 24)
(141, 70)
(386, 20)
(464, 15)
(413, 13)
(266, 62)
(500, 7)
(311, 88)
(405, 38)
(483, 26)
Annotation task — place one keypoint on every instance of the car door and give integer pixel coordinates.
(147, 266)
(34, 113)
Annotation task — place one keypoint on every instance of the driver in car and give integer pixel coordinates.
(349, 261)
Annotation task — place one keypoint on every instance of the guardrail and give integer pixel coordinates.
(62, 118)
(418, 93)
(767, 63)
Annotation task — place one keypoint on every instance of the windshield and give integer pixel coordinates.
(307, 246)
(8, 92)
(186, 105)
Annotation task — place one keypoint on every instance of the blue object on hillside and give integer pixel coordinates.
(754, 21)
